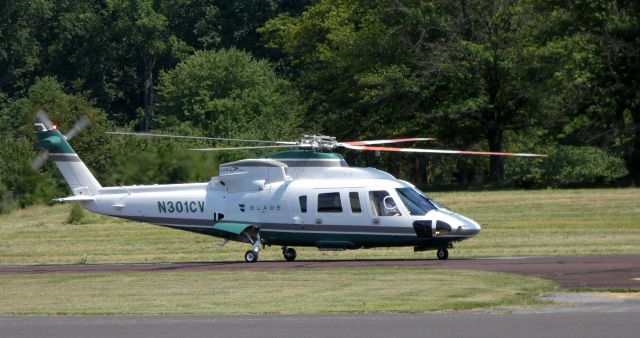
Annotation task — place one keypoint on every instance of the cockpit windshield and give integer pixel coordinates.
(417, 203)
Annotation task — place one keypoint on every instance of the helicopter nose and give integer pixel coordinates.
(456, 224)
(470, 227)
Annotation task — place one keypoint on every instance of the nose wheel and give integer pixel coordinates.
(442, 254)
(251, 256)
(289, 253)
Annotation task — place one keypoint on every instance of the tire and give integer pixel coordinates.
(289, 254)
(442, 254)
(251, 256)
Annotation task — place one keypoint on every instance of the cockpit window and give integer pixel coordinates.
(416, 202)
(382, 204)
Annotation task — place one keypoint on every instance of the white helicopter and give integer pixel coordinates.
(304, 197)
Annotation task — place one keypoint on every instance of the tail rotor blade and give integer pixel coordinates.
(40, 160)
(82, 123)
(44, 119)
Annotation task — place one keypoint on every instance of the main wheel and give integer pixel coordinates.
(289, 254)
(251, 256)
(442, 254)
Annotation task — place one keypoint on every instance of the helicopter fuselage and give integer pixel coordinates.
(331, 207)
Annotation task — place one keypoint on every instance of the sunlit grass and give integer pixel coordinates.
(411, 290)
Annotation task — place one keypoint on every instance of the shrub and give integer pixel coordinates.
(566, 166)
(76, 215)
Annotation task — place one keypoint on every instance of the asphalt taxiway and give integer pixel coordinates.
(572, 272)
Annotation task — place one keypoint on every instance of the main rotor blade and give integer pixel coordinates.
(82, 123)
(200, 138)
(396, 140)
(443, 151)
(40, 160)
(44, 119)
(249, 147)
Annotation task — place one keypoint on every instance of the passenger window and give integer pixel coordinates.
(382, 204)
(329, 202)
(354, 200)
(303, 203)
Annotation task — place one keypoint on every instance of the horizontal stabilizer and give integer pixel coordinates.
(77, 198)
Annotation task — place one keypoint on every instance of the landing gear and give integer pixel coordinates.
(442, 254)
(251, 256)
(289, 253)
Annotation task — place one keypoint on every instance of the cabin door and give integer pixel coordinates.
(341, 207)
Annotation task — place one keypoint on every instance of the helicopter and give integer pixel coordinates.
(307, 196)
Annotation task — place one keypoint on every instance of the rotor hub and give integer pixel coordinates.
(319, 142)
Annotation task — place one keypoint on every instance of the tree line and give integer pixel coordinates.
(553, 76)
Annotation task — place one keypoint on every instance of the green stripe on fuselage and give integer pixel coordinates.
(235, 228)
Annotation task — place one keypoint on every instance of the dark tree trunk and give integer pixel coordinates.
(421, 172)
(496, 163)
(634, 164)
(149, 94)
(393, 167)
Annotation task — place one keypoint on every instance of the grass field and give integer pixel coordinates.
(272, 292)
(514, 223)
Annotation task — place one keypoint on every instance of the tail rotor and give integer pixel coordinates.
(45, 125)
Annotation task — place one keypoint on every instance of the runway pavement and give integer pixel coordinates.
(597, 325)
(574, 272)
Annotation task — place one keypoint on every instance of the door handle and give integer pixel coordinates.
(318, 220)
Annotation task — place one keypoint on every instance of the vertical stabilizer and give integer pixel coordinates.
(75, 172)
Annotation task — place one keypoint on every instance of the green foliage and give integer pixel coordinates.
(566, 166)
(76, 214)
(19, 185)
(465, 72)
(145, 161)
(228, 93)
(597, 90)
(351, 65)
(24, 185)
(102, 47)
(23, 24)
(5, 199)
